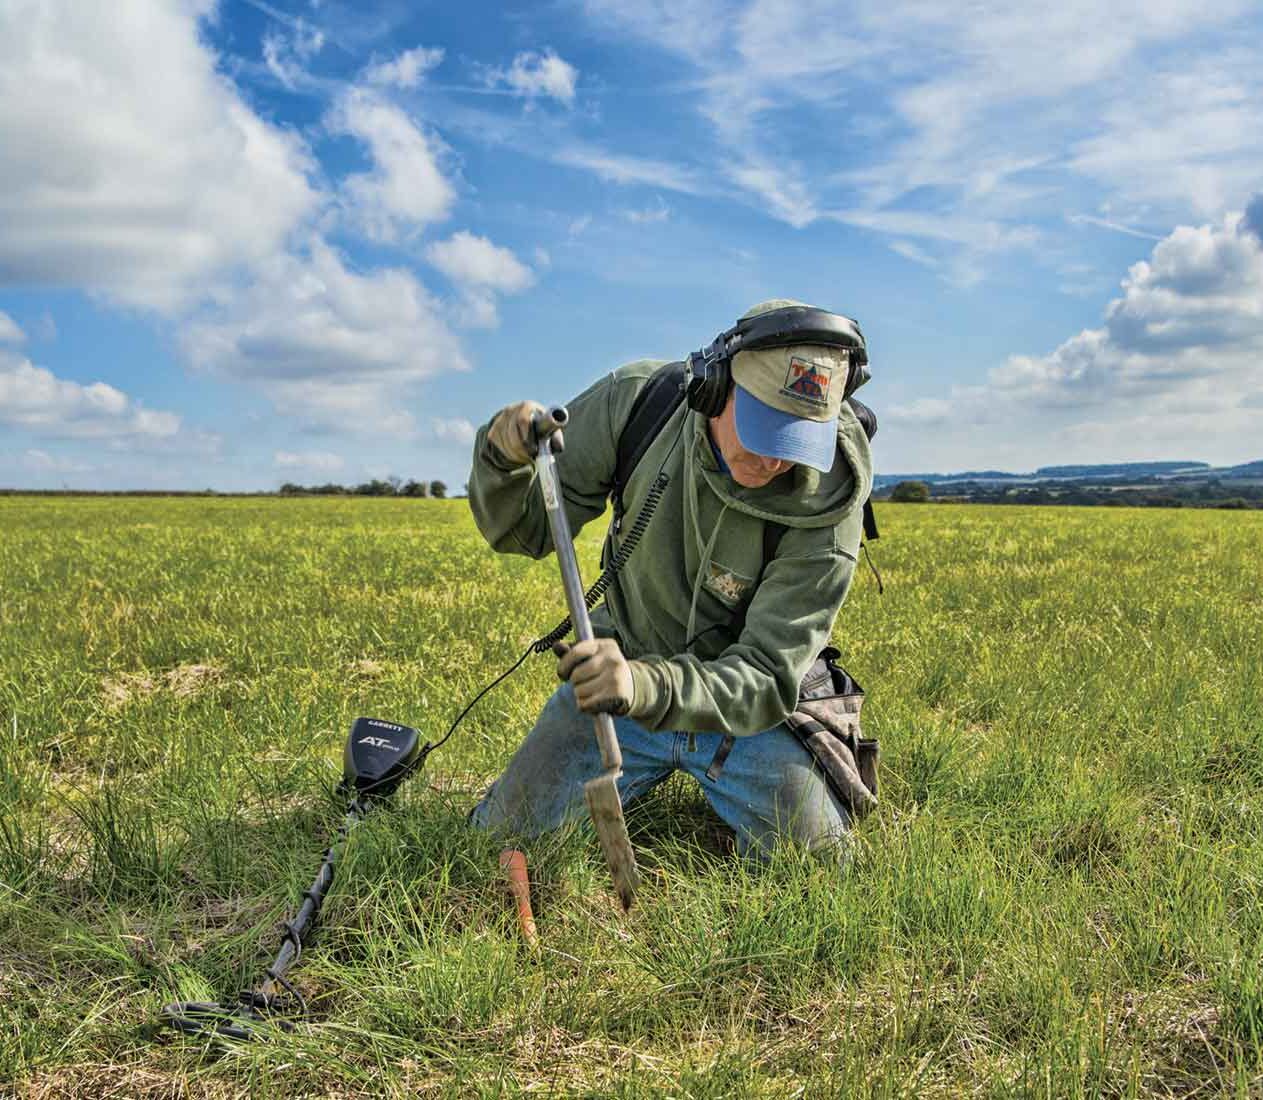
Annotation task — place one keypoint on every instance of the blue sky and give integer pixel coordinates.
(254, 241)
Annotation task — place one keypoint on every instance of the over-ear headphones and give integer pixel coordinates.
(708, 372)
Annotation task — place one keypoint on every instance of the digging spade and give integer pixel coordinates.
(601, 793)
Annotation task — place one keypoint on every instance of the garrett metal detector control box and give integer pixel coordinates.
(378, 755)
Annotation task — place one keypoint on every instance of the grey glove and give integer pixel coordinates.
(600, 675)
(510, 433)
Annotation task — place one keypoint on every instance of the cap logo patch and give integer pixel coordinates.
(808, 381)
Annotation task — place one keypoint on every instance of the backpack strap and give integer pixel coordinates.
(773, 532)
(868, 421)
(655, 404)
(870, 521)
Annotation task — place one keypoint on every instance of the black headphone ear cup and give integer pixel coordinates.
(708, 391)
(698, 376)
(720, 382)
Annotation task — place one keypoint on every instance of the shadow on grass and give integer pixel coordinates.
(674, 822)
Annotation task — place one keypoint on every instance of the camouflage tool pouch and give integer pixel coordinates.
(827, 722)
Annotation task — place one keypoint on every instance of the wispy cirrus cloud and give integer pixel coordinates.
(286, 54)
(1116, 227)
(969, 134)
(659, 211)
(40, 461)
(623, 168)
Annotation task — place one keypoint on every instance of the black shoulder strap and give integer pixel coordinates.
(868, 421)
(773, 532)
(870, 521)
(654, 406)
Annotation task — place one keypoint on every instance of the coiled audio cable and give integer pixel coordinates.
(594, 594)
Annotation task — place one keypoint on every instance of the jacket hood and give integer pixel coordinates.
(800, 497)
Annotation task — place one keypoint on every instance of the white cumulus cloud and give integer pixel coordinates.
(126, 154)
(534, 74)
(336, 347)
(10, 331)
(1190, 314)
(1175, 367)
(481, 270)
(457, 430)
(405, 70)
(37, 401)
(406, 188)
(923, 410)
(475, 261)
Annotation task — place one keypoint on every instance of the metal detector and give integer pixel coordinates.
(379, 755)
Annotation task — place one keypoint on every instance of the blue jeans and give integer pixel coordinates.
(768, 790)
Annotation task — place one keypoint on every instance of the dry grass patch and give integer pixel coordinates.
(367, 669)
(182, 682)
(108, 1081)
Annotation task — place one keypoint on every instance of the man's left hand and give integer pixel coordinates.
(600, 675)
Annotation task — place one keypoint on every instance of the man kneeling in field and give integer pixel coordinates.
(704, 636)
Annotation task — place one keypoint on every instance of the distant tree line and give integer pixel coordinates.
(389, 487)
(910, 492)
(1155, 493)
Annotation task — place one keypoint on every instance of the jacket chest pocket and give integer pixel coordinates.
(731, 587)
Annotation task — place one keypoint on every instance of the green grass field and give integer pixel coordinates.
(1061, 894)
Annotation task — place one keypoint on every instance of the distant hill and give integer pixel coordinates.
(987, 475)
(1103, 472)
(1246, 469)
(1122, 469)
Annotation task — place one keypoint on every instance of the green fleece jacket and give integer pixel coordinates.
(675, 606)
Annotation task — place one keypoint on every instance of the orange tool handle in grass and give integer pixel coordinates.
(513, 864)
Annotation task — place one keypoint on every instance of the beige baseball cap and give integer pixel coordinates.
(787, 399)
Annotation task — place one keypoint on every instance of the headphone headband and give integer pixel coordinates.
(796, 325)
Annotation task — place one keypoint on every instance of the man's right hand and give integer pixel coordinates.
(511, 434)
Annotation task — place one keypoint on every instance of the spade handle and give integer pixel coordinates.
(546, 425)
